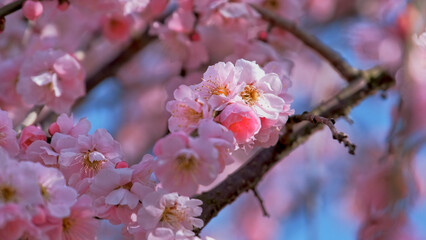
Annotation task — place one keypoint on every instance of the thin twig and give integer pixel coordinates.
(11, 8)
(345, 70)
(249, 175)
(315, 119)
(259, 198)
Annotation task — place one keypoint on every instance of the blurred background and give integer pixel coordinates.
(319, 192)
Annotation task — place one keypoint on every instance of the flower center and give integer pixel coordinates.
(67, 223)
(191, 115)
(44, 193)
(172, 216)
(250, 95)
(272, 4)
(220, 90)
(93, 160)
(128, 186)
(7, 193)
(186, 162)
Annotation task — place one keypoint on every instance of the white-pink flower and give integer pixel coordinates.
(222, 138)
(51, 77)
(92, 152)
(48, 154)
(8, 139)
(186, 111)
(220, 84)
(184, 162)
(18, 184)
(117, 192)
(15, 221)
(57, 196)
(81, 223)
(169, 210)
(65, 125)
(261, 90)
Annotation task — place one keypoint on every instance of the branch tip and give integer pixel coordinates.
(259, 198)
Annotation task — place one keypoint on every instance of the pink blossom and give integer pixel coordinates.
(18, 184)
(183, 163)
(222, 139)
(51, 77)
(241, 120)
(88, 157)
(81, 223)
(29, 135)
(117, 192)
(181, 21)
(57, 196)
(169, 211)
(32, 9)
(220, 84)
(261, 90)
(186, 110)
(48, 154)
(190, 53)
(163, 233)
(15, 222)
(115, 187)
(9, 72)
(65, 125)
(8, 139)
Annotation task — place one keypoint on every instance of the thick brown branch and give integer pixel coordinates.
(315, 119)
(10, 8)
(248, 176)
(345, 70)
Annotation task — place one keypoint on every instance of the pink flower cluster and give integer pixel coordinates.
(54, 187)
(235, 106)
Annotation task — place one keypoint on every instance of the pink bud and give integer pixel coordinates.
(32, 9)
(122, 164)
(117, 28)
(29, 135)
(63, 5)
(241, 120)
(195, 37)
(263, 36)
(54, 128)
(39, 217)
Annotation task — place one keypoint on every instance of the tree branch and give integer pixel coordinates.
(262, 205)
(249, 175)
(136, 44)
(10, 8)
(345, 70)
(315, 119)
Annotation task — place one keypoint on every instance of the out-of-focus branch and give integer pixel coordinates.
(11, 7)
(109, 69)
(348, 72)
(249, 175)
(329, 122)
(136, 44)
